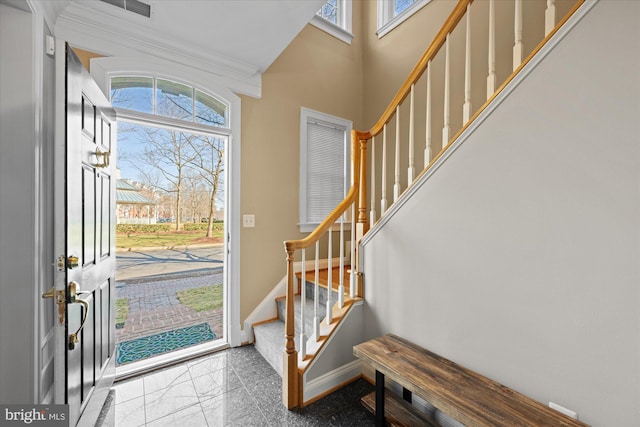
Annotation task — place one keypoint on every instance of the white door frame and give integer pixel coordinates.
(102, 69)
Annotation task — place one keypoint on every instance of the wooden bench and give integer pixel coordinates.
(464, 395)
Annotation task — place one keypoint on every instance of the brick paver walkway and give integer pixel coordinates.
(154, 306)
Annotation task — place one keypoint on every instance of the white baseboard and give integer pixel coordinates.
(332, 379)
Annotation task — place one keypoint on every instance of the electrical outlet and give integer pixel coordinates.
(562, 409)
(248, 221)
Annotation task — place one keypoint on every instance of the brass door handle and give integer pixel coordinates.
(105, 155)
(73, 292)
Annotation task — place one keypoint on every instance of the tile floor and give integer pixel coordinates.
(235, 387)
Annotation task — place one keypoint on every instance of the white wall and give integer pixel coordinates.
(520, 257)
(17, 206)
(26, 201)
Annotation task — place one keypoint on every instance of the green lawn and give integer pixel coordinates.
(205, 298)
(181, 238)
(122, 311)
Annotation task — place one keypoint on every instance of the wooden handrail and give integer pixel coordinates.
(356, 197)
(433, 49)
(504, 84)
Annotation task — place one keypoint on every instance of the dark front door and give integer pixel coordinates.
(87, 345)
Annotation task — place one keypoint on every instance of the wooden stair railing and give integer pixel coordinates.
(399, 118)
(324, 233)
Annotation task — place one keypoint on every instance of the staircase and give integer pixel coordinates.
(419, 130)
(269, 335)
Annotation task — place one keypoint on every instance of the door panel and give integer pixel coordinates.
(105, 216)
(88, 343)
(89, 217)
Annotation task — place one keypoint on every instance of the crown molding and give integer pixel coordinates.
(50, 10)
(88, 26)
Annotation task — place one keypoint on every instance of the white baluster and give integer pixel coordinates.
(446, 130)
(411, 173)
(352, 277)
(466, 108)
(329, 317)
(518, 47)
(491, 78)
(427, 149)
(372, 212)
(316, 295)
(550, 17)
(396, 185)
(341, 270)
(383, 199)
(303, 297)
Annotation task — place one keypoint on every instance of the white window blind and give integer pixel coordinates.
(324, 166)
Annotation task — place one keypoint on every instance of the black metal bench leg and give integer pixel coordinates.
(407, 395)
(379, 399)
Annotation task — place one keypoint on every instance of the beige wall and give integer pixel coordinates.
(355, 82)
(389, 60)
(316, 71)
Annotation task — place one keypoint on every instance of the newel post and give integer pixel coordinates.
(290, 359)
(362, 225)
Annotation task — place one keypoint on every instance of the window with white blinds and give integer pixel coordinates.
(324, 165)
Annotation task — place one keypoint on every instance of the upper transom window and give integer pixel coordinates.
(168, 99)
(334, 17)
(392, 13)
(329, 11)
(401, 5)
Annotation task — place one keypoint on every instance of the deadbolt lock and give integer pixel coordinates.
(72, 261)
(69, 262)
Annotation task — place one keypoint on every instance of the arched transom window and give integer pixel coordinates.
(170, 99)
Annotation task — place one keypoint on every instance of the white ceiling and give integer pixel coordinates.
(241, 38)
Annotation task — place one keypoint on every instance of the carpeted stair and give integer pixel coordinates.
(270, 336)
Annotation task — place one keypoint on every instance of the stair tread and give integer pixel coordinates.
(323, 277)
(308, 313)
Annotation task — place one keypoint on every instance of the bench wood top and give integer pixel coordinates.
(466, 396)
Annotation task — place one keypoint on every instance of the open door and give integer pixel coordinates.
(84, 240)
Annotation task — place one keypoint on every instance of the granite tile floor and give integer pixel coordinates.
(234, 387)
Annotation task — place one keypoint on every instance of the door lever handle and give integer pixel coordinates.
(73, 292)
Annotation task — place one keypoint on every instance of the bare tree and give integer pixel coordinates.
(169, 155)
(165, 161)
(209, 161)
(196, 196)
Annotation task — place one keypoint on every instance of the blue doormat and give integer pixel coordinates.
(164, 342)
